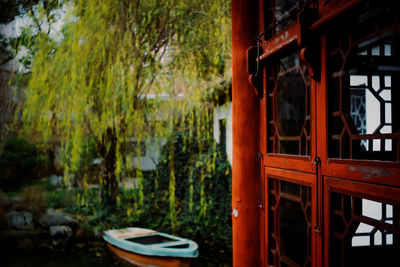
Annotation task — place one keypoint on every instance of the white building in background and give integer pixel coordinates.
(150, 152)
(223, 127)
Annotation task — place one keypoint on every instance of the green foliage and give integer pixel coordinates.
(89, 206)
(58, 199)
(202, 200)
(202, 196)
(21, 161)
(94, 82)
(90, 92)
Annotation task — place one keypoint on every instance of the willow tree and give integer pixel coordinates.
(94, 82)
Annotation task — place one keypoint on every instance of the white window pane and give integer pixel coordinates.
(378, 238)
(363, 52)
(388, 81)
(358, 80)
(360, 241)
(386, 95)
(388, 50)
(375, 82)
(375, 51)
(386, 129)
(372, 112)
(372, 209)
(388, 112)
(388, 145)
(389, 239)
(389, 211)
(376, 145)
(364, 228)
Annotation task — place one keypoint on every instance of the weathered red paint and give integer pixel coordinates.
(280, 41)
(246, 173)
(372, 179)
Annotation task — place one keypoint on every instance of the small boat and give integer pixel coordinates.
(146, 247)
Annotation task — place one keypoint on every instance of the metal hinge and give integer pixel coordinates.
(317, 163)
(260, 204)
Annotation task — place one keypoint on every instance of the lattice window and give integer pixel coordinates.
(289, 224)
(363, 232)
(288, 105)
(363, 68)
(282, 13)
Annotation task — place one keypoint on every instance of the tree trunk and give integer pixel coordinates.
(108, 152)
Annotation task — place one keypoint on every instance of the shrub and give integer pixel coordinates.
(212, 227)
(21, 162)
(61, 198)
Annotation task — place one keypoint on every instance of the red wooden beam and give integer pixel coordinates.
(280, 41)
(246, 168)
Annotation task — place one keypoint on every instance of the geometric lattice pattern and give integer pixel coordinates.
(357, 113)
(289, 224)
(280, 14)
(288, 93)
(363, 232)
(363, 69)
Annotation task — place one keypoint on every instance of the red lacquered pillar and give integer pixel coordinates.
(245, 109)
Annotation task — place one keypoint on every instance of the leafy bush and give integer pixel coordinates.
(21, 161)
(61, 198)
(202, 200)
(196, 189)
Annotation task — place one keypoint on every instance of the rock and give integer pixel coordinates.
(55, 180)
(57, 218)
(62, 231)
(60, 234)
(13, 203)
(20, 220)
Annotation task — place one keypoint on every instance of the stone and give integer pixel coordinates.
(61, 231)
(20, 220)
(52, 218)
(60, 234)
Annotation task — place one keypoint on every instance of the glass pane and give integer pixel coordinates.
(291, 94)
(362, 232)
(363, 120)
(288, 108)
(286, 12)
(290, 239)
(279, 14)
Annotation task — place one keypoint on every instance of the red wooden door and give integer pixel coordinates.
(360, 126)
(328, 77)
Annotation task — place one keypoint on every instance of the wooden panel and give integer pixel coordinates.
(331, 10)
(299, 178)
(365, 171)
(346, 210)
(375, 170)
(280, 41)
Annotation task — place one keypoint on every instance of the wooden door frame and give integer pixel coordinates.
(307, 179)
(387, 194)
(367, 172)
